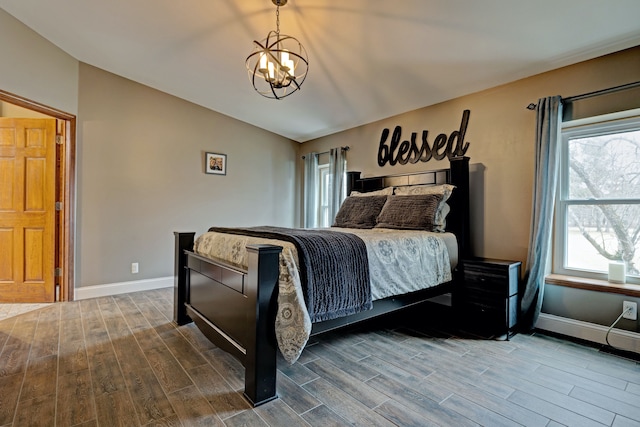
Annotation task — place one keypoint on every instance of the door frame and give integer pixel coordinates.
(66, 183)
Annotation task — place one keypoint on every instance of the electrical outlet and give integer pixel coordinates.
(134, 268)
(630, 310)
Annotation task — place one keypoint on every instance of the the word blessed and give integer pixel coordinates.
(408, 151)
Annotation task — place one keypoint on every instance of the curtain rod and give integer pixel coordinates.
(326, 152)
(607, 91)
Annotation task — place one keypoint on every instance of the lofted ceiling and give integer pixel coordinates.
(368, 59)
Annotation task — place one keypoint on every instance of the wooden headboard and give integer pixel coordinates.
(457, 174)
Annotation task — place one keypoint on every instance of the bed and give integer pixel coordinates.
(238, 305)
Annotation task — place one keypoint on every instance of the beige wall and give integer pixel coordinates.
(141, 177)
(36, 69)
(501, 134)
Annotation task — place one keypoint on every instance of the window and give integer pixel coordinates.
(323, 206)
(324, 187)
(598, 209)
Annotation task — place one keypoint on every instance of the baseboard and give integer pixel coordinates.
(619, 338)
(122, 287)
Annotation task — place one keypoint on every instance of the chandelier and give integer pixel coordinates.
(278, 64)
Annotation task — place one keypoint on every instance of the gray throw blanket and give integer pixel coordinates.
(334, 268)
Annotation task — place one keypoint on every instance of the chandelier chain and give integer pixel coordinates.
(278, 19)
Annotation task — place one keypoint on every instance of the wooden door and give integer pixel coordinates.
(27, 210)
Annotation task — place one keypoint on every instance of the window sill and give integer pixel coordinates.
(593, 285)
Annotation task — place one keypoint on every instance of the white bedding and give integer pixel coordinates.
(399, 261)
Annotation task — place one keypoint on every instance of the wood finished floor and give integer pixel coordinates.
(120, 361)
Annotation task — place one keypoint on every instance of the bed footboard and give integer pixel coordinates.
(233, 308)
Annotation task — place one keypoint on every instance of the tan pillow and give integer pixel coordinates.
(440, 221)
(444, 189)
(387, 191)
(410, 212)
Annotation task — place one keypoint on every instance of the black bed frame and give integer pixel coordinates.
(236, 309)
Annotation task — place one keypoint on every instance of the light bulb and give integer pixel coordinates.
(263, 63)
(271, 71)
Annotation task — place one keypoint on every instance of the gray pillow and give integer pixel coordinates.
(359, 212)
(443, 210)
(410, 212)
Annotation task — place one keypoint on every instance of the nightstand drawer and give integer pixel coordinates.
(496, 276)
(502, 314)
(489, 299)
(488, 282)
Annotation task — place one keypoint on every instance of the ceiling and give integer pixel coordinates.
(368, 59)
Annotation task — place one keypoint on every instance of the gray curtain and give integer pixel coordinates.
(337, 181)
(549, 113)
(310, 208)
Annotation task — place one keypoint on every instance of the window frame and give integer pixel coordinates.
(619, 122)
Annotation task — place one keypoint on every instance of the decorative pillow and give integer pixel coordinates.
(444, 189)
(410, 212)
(359, 212)
(443, 208)
(387, 191)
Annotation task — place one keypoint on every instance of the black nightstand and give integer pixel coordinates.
(489, 296)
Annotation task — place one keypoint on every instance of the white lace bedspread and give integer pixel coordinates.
(399, 262)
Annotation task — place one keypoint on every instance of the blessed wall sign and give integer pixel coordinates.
(403, 152)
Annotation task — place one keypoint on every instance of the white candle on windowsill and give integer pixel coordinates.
(617, 272)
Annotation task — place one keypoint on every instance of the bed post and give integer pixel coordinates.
(261, 287)
(459, 201)
(180, 276)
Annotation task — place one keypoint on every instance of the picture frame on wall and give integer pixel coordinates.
(215, 163)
